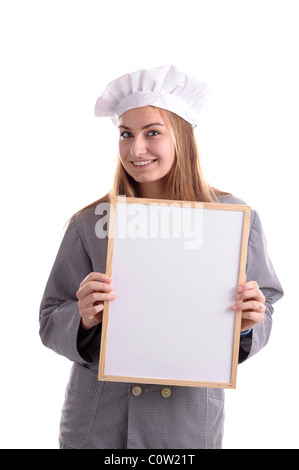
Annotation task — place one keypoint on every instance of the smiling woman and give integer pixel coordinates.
(147, 154)
(156, 111)
(177, 157)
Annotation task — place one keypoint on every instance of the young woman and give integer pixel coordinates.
(155, 111)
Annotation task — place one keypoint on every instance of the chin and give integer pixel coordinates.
(144, 180)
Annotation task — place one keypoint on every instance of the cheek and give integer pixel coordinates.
(120, 149)
(168, 152)
(122, 152)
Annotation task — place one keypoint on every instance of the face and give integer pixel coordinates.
(146, 146)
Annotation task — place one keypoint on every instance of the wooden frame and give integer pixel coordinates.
(142, 342)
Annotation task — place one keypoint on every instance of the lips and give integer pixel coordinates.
(142, 163)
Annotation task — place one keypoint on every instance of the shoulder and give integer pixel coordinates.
(91, 213)
(83, 227)
(84, 222)
(227, 198)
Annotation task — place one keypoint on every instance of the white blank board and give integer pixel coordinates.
(172, 321)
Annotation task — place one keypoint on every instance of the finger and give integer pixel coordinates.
(90, 312)
(253, 316)
(248, 285)
(250, 305)
(91, 319)
(93, 286)
(96, 297)
(252, 293)
(255, 290)
(94, 276)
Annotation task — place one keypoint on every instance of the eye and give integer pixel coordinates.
(125, 135)
(153, 133)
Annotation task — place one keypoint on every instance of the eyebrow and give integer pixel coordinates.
(144, 127)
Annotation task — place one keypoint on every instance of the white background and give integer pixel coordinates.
(56, 58)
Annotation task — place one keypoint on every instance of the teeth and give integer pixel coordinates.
(143, 163)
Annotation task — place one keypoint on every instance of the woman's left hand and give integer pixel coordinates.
(252, 306)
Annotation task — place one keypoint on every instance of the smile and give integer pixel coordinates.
(143, 163)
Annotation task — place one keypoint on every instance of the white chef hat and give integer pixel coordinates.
(165, 87)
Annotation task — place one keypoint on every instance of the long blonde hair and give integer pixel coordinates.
(185, 180)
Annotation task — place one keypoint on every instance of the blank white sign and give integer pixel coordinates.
(172, 321)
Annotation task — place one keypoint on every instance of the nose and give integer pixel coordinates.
(138, 147)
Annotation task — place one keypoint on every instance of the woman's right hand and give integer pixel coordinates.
(93, 290)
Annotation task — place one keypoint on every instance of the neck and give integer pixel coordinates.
(153, 190)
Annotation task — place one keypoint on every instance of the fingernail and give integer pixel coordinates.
(240, 289)
(234, 307)
(238, 296)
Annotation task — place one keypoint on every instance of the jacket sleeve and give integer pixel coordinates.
(260, 269)
(59, 313)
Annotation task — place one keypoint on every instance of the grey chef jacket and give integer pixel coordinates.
(108, 415)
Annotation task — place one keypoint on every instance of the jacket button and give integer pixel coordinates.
(166, 392)
(137, 390)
